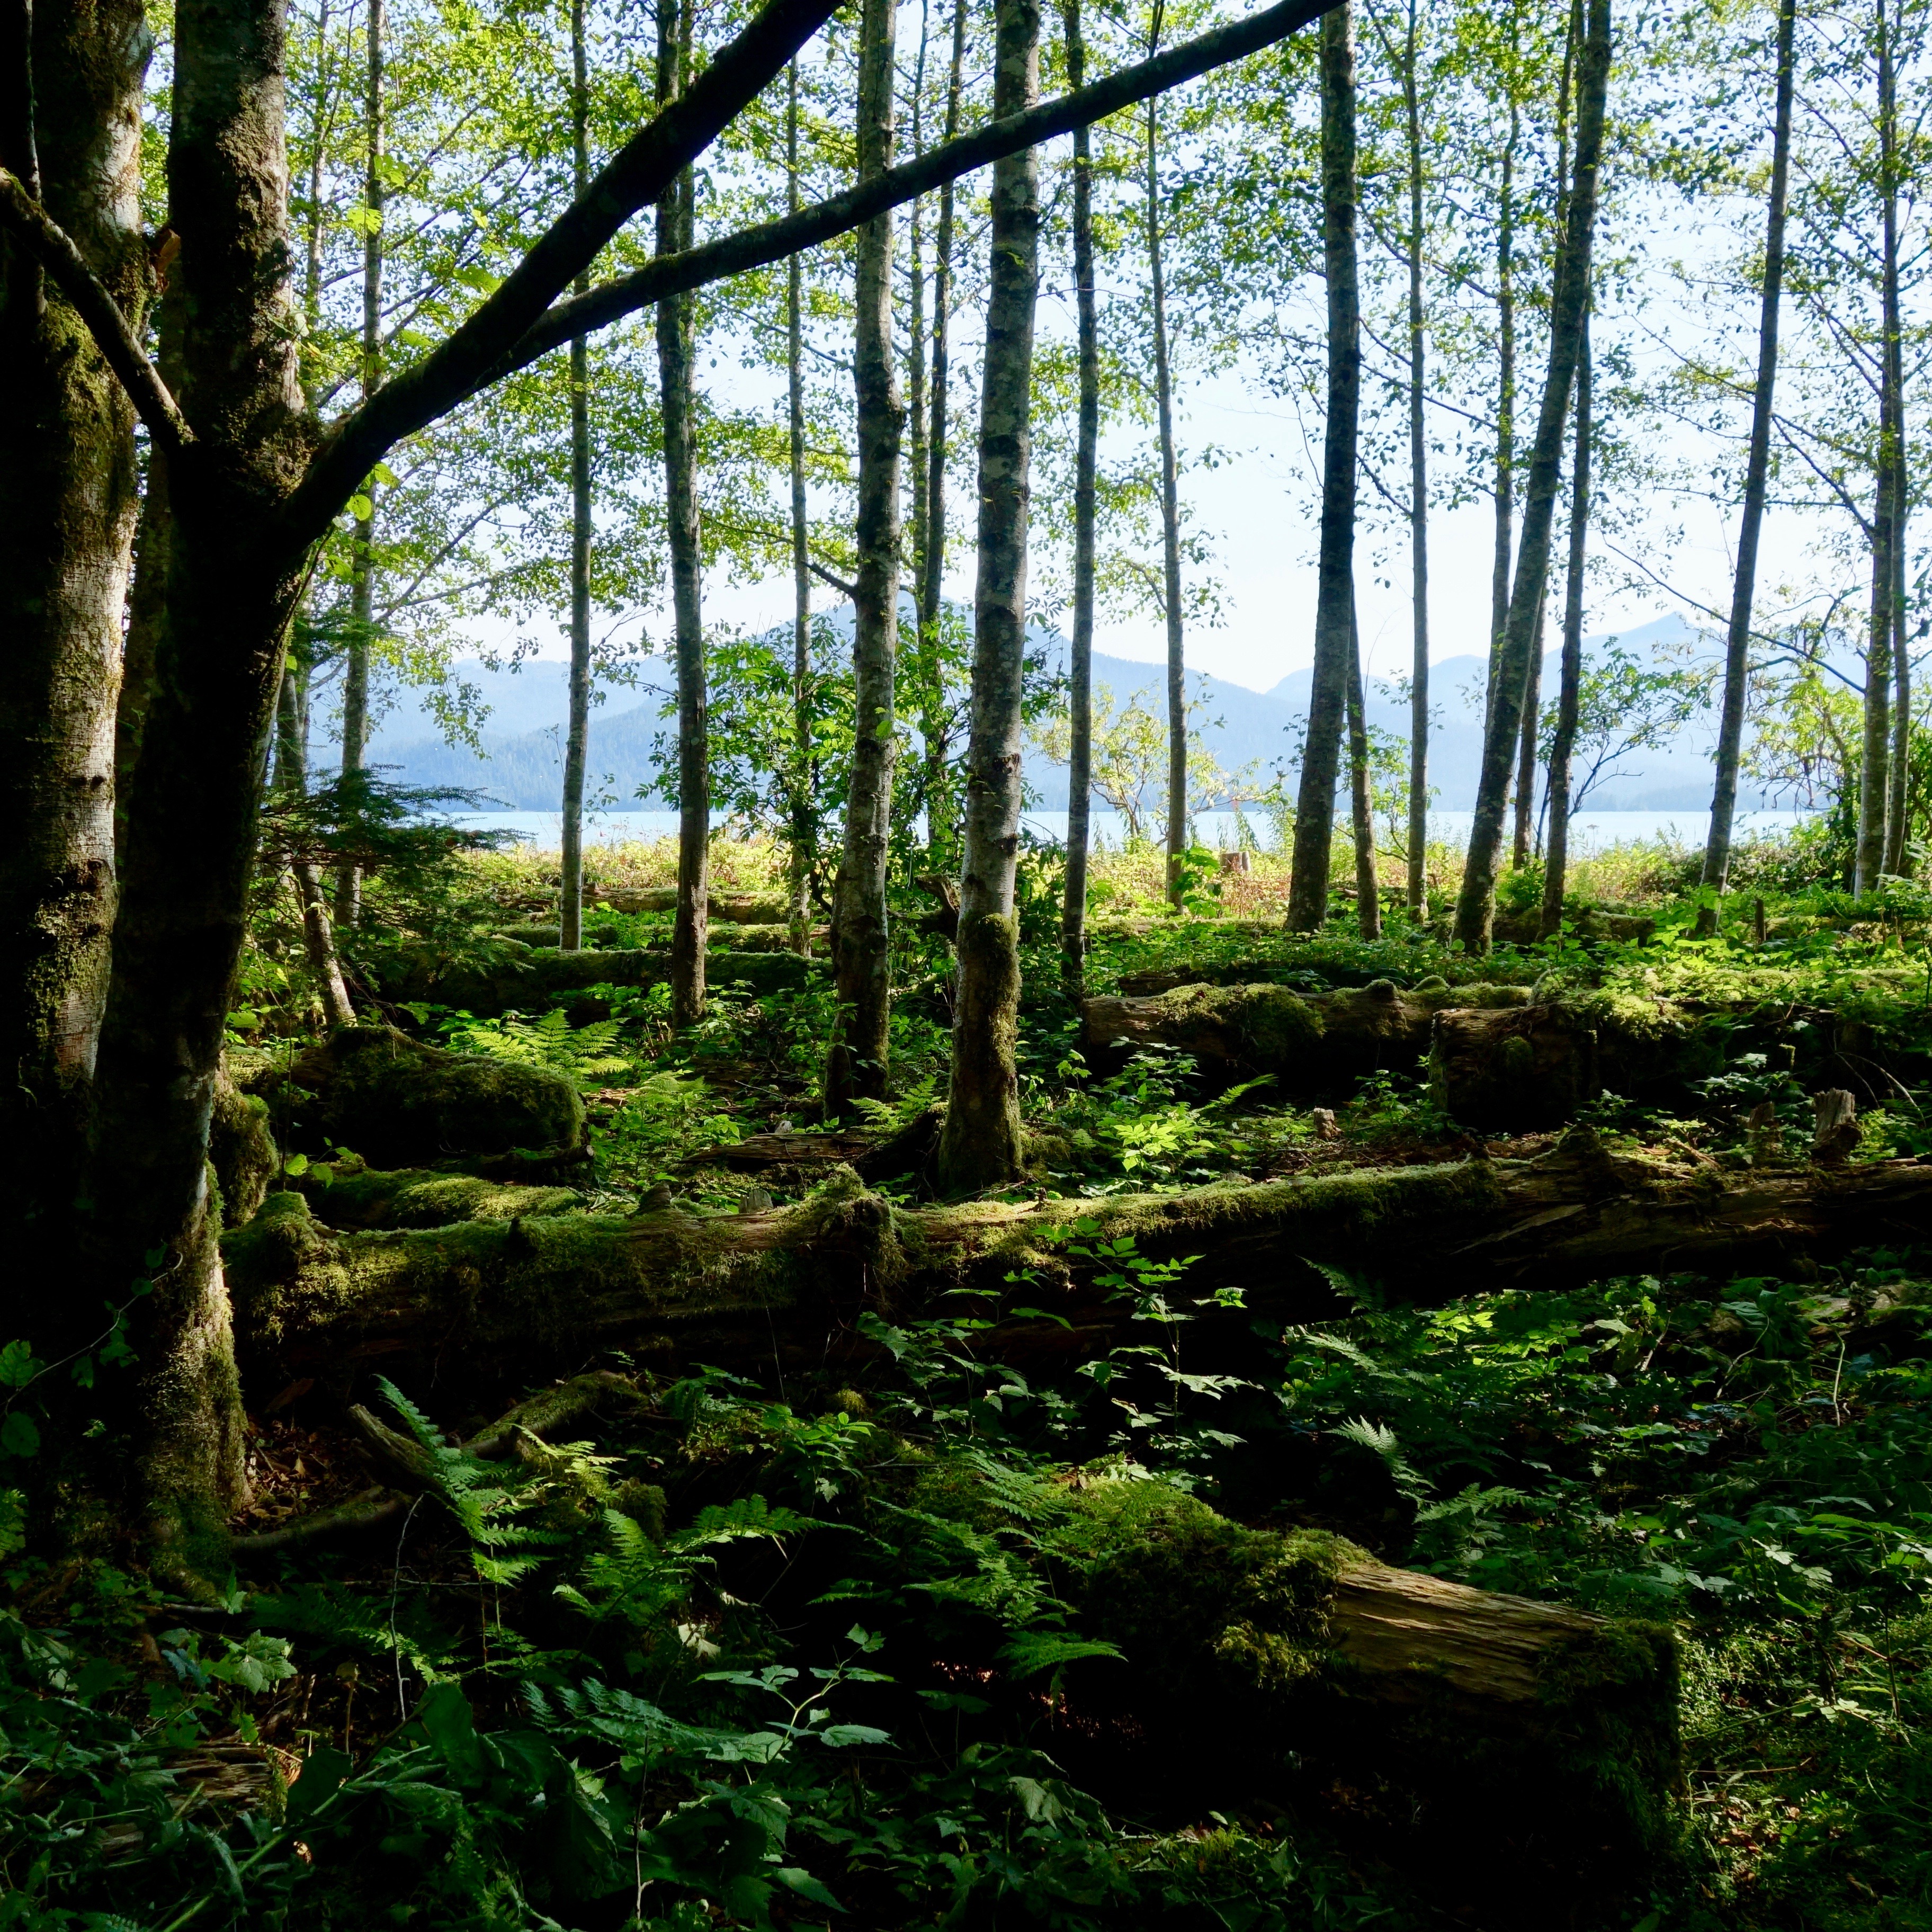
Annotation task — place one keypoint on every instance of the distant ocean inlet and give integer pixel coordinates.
(520, 765)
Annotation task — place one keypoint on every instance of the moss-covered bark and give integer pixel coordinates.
(372, 1198)
(1248, 1646)
(397, 1102)
(240, 1151)
(1311, 1043)
(791, 1282)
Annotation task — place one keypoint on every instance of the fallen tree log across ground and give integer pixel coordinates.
(793, 1284)
(533, 981)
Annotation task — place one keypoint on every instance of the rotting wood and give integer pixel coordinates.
(1309, 1042)
(674, 1286)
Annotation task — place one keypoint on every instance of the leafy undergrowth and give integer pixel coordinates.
(804, 1655)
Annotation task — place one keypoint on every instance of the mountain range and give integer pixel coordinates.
(520, 766)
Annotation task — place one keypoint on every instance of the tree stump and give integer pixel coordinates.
(1532, 1068)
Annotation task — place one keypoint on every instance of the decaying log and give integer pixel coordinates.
(399, 1102)
(1311, 1043)
(1247, 1645)
(906, 1150)
(731, 908)
(533, 982)
(369, 1198)
(792, 1281)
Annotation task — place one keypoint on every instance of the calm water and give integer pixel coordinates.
(1590, 831)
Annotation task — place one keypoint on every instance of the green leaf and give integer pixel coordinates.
(295, 1165)
(17, 1366)
(19, 1436)
(795, 1878)
(1032, 1651)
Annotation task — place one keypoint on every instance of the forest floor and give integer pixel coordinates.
(811, 1645)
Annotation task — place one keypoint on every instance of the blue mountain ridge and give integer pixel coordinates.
(520, 766)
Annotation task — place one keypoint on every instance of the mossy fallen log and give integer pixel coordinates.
(399, 1102)
(793, 1282)
(1311, 1043)
(723, 937)
(729, 908)
(532, 981)
(1244, 1648)
(371, 1198)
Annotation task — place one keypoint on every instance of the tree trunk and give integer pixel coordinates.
(576, 740)
(1170, 524)
(1505, 480)
(492, 1291)
(1368, 884)
(1476, 907)
(362, 577)
(1418, 498)
(1556, 867)
(857, 1066)
(292, 781)
(1892, 375)
(1080, 665)
(233, 576)
(1524, 848)
(934, 725)
(675, 354)
(1874, 779)
(803, 814)
(980, 1145)
(1335, 597)
(1757, 471)
(68, 485)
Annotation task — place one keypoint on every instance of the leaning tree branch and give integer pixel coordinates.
(66, 267)
(773, 241)
(636, 175)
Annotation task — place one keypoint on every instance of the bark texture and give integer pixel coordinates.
(804, 819)
(857, 1066)
(1368, 884)
(1757, 474)
(1418, 492)
(68, 506)
(1475, 910)
(1335, 592)
(980, 1145)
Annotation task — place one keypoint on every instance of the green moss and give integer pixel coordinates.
(399, 1103)
(241, 1149)
(421, 1198)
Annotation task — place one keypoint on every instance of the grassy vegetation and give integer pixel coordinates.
(818, 1648)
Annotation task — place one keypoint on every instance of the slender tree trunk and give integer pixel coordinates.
(292, 781)
(1368, 884)
(935, 728)
(1476, 906)
(674, 320)
(857, 1067)
(1893, 378)
(1080, 668)
(1874, 778)
(1170, 526)
(1570, 689)
(577, 740)
(1335, 599)
(804, 821)
(913, 469)
(70, 81)
(1524, 848)
(1505, 477)
(1418, 498)
(980, 1146)
(1757, 471)
(362, 577)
